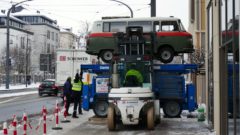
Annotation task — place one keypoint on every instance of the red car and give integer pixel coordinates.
(48, 87)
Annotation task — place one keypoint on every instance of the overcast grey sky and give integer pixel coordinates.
(71, 13)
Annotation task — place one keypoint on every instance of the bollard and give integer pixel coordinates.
(57, 127)
(5, 130)
(44, 113)
(24, 124)
(14, 124)
(65, 112)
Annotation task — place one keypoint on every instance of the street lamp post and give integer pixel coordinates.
(126, 6)
(7, 49)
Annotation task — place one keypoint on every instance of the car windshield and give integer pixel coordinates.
(143, 68)
(181, 26)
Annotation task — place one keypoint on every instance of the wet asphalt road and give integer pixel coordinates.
(31, 104)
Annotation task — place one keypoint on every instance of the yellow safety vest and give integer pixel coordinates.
(135, 73)
(77, 86)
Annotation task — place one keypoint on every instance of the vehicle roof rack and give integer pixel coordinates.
(114, 17)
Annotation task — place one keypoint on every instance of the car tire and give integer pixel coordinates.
(172, 109)
(150, 118)
(165, 54)
(106, 56)
(56, 93)
(100, 108)
(111, 118)
(39, 94)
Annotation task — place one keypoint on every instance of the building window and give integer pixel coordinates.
(48, 34)
(198, 14)
(48, 48)
(192, 12)
(56, 37)
(236, 43)
(22, 43)
(53, 36)
(2, 21)
(230, 41)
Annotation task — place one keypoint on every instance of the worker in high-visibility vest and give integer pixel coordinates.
(77, 92)
(133, 77)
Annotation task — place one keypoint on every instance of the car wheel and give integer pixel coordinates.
(111, 120)
(39, 94)
(150, 118)
(100, 108)
(106, 56)
(172, 109)
(166, 54)
(56, 93)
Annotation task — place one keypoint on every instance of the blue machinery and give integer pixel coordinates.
(168, 85)
(95, 94)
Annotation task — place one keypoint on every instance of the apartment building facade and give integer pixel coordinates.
(68, 40)
(46, 41)
(20, 40)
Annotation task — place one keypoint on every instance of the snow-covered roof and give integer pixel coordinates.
(67, 30)
(26, 12)
(12, 17)
(64, 30)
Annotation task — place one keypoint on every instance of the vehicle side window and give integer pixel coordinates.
(169, 26)
(118, 26)
(106, 27)
(156, 26)
(114, 26)
(147, 25)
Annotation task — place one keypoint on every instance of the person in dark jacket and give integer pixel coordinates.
(80, 100)
(76, 89)
(67, 92)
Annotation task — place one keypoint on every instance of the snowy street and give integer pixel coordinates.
(19, 100)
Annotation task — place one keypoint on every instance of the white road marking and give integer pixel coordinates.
(17, 94)
(9, 100)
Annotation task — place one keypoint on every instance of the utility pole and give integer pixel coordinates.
(26, 70)
(153, 8)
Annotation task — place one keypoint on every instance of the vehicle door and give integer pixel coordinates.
(166, 33)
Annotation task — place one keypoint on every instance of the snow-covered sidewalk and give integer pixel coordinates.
(19, 86)
(12, 91)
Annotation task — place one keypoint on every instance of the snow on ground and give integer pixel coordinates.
(17, 94)
(18, 87)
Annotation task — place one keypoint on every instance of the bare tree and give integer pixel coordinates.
(85, 27)
(17, 59)
(198, 57)
(83, 32)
